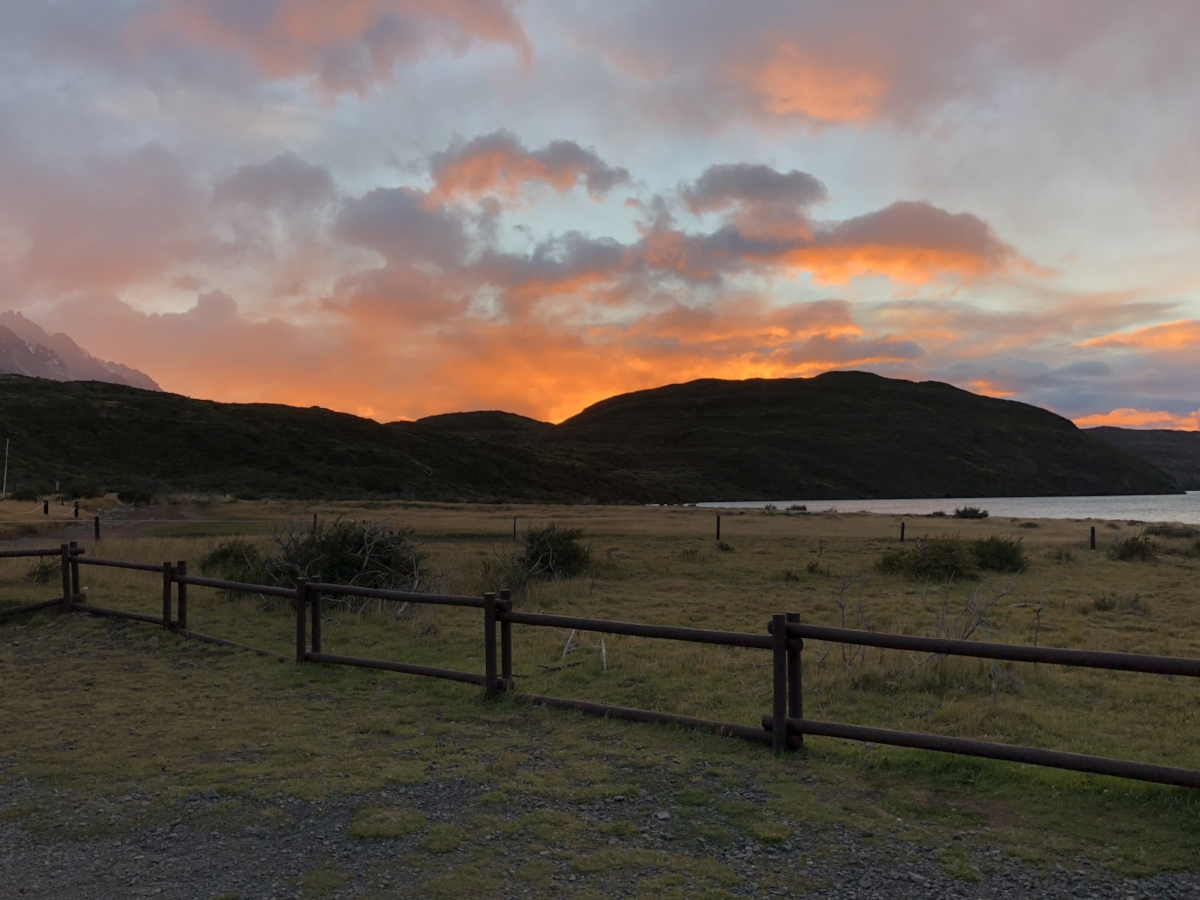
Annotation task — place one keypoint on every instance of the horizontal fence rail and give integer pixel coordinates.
(784, 728)
(635, 629)
(220, 584)
(1056, 759)
(1089, 659)
(119, 564)
(349, 590)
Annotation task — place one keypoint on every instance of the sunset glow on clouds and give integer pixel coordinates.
(404, 207)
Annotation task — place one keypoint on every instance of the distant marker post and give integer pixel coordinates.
(902, 532)
(718, 527)
(1093, 539)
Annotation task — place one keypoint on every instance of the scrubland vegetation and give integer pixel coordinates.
(92, 707)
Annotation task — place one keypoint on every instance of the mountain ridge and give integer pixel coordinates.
(60, 358)
(841, 435)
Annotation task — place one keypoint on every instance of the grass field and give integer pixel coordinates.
(94, 709)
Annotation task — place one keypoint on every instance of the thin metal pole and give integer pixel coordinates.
(315, 600)
(780, 692)
(506, 654)
(795, 685)
(4, 488)
(489, 644)
(67, 598)
(181, 611)
(166, 608)
(301, 612)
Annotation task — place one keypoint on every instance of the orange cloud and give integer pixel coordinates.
(1180, 335)
(789, 81)
(1142, 418)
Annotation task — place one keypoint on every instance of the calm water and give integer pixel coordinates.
(1153, 508)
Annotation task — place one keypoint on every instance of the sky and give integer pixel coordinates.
(397, 208)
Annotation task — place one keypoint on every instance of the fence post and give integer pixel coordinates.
(795, 685)
(166, 609)
(506, 658)
(780, 693)
(718, 527)
(301, 613)
(181, 596)
(315, 601)
(67, 598)
(74, 571)
(902, 532)
(96, 525)
(489, 644)
(1093, 537)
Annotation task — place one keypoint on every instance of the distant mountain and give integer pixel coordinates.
(840, 435)
(57, 357)
(1175, 452)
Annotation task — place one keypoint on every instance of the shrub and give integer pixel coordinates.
(1028, 525)
(1136, 547)
(945, 558)
(1000, 554)
(83, 490)
(25, 494)
(42, 571)
(933, 559)
(1173, 531)
(970, 512)
(140, 492)
(549, 552)
(365, 554)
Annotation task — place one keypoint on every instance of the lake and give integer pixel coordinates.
(1153, 508)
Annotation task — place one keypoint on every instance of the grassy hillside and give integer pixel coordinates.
(1175, 452)
(843, 434)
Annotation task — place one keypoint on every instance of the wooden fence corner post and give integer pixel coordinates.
(67, 598)
(168, 578)
(301, 614)
(490, 681)
(74, 570)
(181, 610)
(506, 657)
(795, 684)
(780, 692)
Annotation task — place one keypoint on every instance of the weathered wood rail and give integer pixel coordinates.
(783, 729)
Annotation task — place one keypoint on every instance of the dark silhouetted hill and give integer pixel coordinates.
(1175, 452)
(839, 435)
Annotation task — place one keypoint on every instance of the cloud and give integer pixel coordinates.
(1142, 418)
(1183, 334)
(499, 164)
(750, 184)
(345, 47)
(286, 183)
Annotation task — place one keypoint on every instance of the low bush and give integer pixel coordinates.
(946, 558)
(83, 490)
(365, 554)
(1137, 548)
(1028, 525)
(25, 494)
(970, 512)
(141, 493)
(44, 570)
(1185, 532)
(1000, 554)
(931, 559)
(548, 552)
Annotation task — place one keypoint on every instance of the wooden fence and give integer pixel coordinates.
(784, 728)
